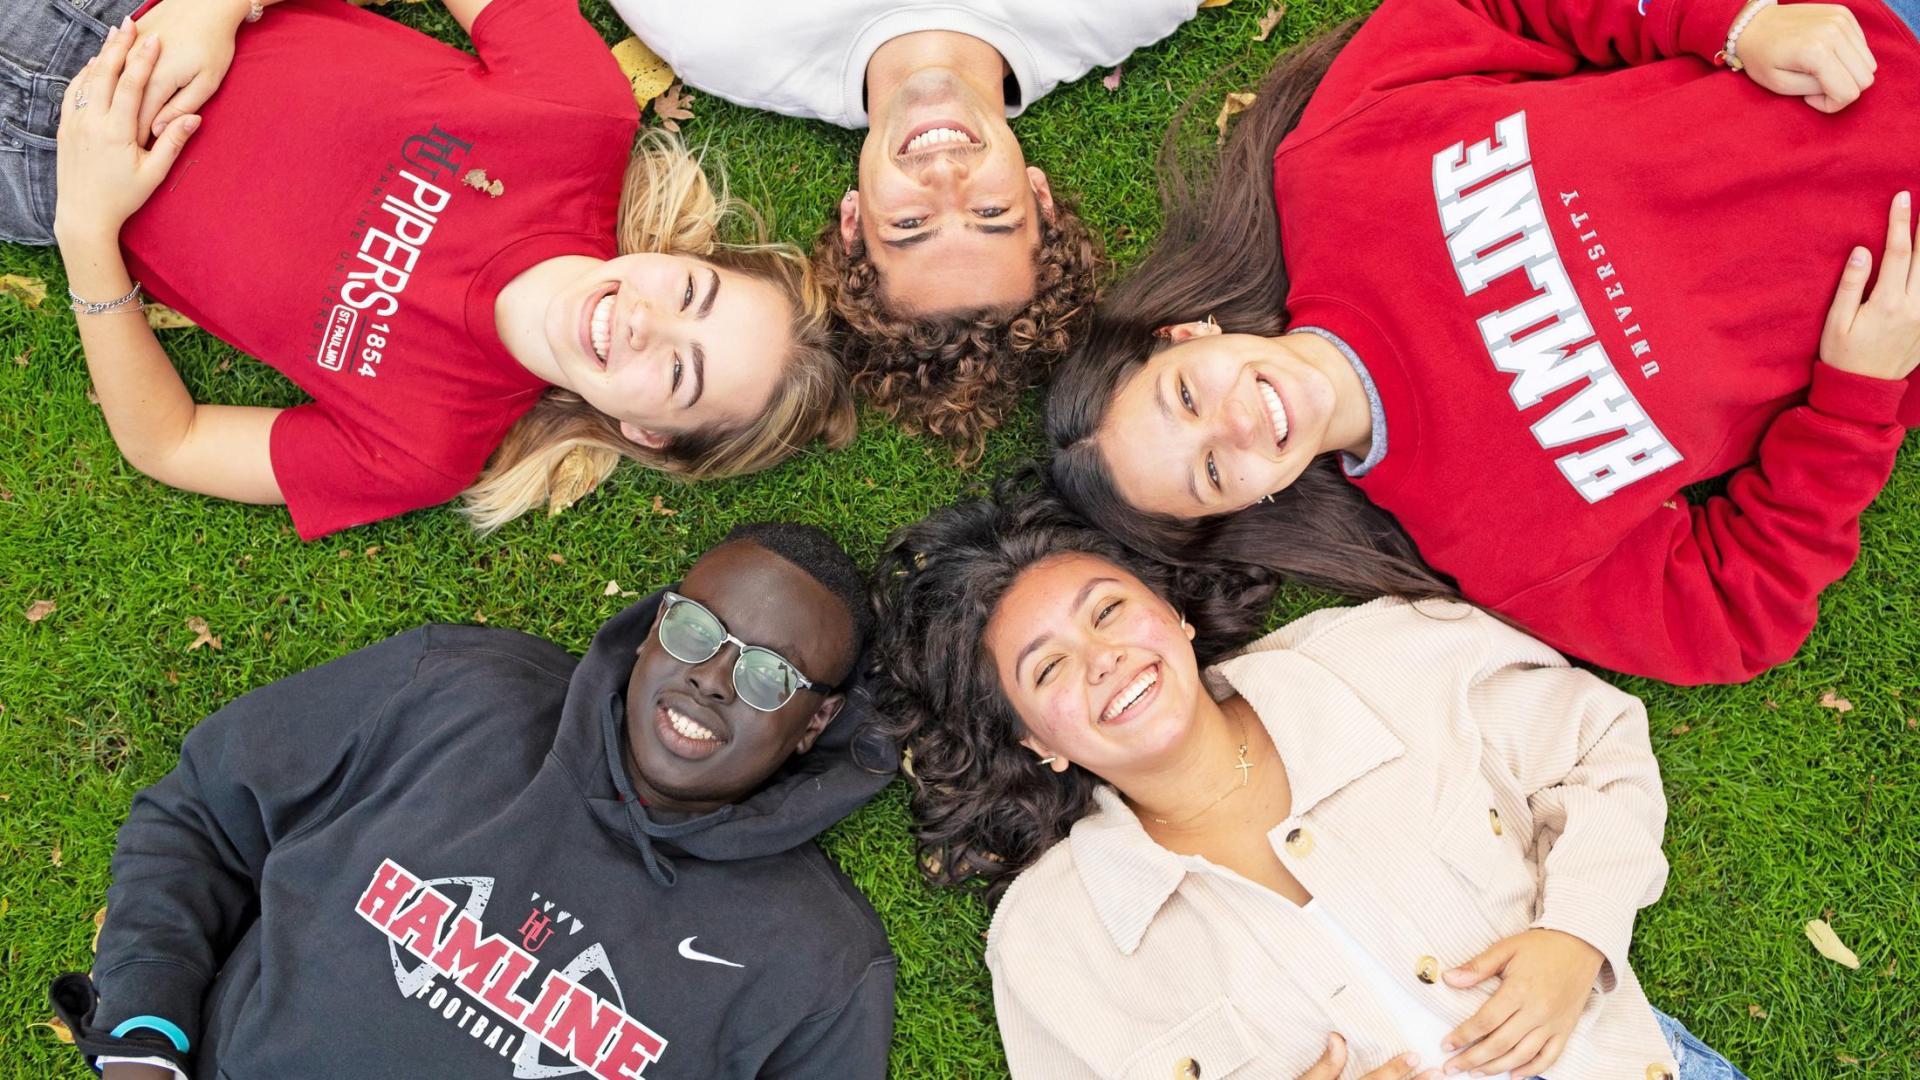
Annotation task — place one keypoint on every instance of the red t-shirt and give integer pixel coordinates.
(1586, 268)
(319, 221)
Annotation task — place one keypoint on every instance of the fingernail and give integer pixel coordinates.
(1902, 199)
(1858, 258)
(1447, 1046)
(127, 24)
(190, 125)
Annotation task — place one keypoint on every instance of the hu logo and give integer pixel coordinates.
(435, 152)
(535, 931)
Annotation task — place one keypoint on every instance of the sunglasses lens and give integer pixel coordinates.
(691, 634)
(763, 680)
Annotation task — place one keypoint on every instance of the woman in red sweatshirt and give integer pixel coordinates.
(462, 258)
(1537, 267)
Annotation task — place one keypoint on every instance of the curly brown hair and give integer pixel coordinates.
(956, 375)
(982, 811)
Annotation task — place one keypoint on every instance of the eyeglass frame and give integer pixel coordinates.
(671, 598)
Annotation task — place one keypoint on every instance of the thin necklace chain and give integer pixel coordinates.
(1242, 764)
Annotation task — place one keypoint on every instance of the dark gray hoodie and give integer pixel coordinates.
(425, 860)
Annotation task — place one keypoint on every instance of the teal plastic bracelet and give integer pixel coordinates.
(153, 1023)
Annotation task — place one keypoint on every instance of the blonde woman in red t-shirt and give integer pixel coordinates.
(1485, 286)
(465, 261)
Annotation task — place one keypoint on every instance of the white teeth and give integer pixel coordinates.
(1274, 409)
(939, 136)
(603, 326)
(1124, 700)
(685, 726)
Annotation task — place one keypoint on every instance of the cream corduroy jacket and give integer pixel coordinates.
(1454, 783)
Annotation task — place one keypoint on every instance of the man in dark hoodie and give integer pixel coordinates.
(459, 853)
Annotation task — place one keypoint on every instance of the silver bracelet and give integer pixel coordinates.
(132, 301)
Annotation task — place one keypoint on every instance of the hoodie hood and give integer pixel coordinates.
(849, 763)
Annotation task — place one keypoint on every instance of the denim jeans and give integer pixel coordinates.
(1696, 1059)
(42, 43)
(1909, 12)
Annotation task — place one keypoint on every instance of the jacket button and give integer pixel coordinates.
(1427, 970)
(1300, 842)
(1187, 1070)
(1493, 818)
(1657, 1071)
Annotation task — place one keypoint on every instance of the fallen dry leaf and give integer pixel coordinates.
(1830, 700)
(99, 920)
(1679, 729)
(1236, 103)
(480, 617)
(496, 189)
(31, 291)
(571, 480)
(1214, 3)
(906, 762)
(673, 105)
(612, 589)
(660, 507)
(1112, 80)
(645, 71)
(1270, 20)
(173, 678)
(59, 1030)
(40, 609)
(93, 396)
(475, 179)
(1756, 1011)
(1846, 1059)
(371, 552)
(203, 634)
(556, 558)
(162, 317)
(1827, 943)
(58, 859)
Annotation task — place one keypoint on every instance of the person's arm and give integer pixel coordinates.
(187, 863)
(1816, 51)
(465, 11)
(104, 176)
(1578, 749)
(1723, 590)
(849, 1043)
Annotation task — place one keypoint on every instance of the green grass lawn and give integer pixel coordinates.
(1782, 809)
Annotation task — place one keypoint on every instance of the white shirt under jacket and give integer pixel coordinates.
(1454, 783)
(808, 58)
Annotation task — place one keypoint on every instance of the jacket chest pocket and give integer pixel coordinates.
(1484, 849)
(1209, 1044)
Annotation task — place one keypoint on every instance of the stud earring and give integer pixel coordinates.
(1267, 498)
(1048, 760)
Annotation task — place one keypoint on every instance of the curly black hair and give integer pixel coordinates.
(983, 811)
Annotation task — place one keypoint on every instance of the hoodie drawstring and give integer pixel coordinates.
(641, 829)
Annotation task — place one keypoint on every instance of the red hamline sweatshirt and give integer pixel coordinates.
(1585, 269)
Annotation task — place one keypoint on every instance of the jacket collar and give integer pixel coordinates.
(1327, 735)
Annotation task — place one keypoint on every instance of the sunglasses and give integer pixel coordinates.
(763, 678)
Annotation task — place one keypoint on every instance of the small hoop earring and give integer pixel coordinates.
(1048, 760)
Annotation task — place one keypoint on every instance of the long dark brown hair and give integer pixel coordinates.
(1219, 255)
(984, 810)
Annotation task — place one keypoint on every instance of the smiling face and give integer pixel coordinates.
(670, 344)
(1211, 424)
(947, 208)
(1098, 666)
(693, 744)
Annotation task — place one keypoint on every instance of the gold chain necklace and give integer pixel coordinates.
(1242, 764)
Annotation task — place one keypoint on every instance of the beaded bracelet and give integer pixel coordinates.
(132, 301)
(1727, 57)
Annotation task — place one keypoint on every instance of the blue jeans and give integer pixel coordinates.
(1696, 1059)
(42, 43)
(1909, 12)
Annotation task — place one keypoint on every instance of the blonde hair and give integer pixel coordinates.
(563, 448)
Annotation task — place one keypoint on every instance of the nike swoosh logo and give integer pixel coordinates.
(687, 950)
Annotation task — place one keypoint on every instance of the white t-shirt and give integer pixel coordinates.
(1423, 1028)
(808, 58)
